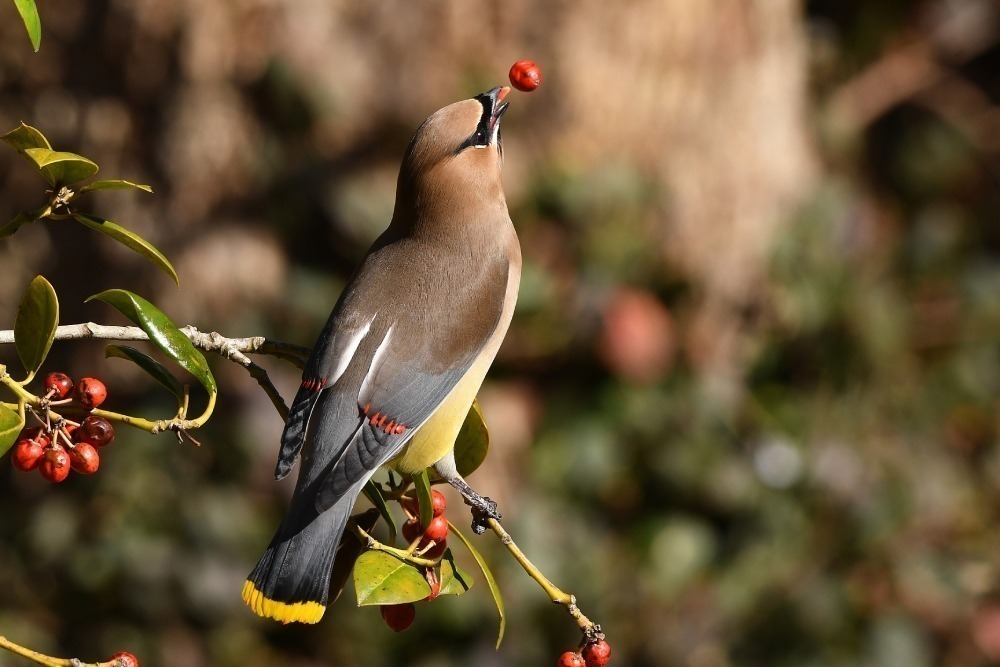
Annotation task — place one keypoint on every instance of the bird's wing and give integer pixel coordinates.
(376, 378)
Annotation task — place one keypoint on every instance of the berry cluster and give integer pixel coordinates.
(58, 447)
(594, 654)
(431, 543)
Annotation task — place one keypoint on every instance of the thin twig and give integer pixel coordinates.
(46, 660)
(590, 629)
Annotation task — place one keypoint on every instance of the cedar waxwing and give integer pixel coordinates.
(405, 350)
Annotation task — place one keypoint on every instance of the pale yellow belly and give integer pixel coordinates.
(436, 437)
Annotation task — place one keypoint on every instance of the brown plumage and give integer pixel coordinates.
(404, 352)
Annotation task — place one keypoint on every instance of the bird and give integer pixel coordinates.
(403, 354)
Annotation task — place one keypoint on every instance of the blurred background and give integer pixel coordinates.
(748, 407)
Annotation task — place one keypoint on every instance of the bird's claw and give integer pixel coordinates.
(482, 512)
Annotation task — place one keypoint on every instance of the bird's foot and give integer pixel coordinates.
(483, 509)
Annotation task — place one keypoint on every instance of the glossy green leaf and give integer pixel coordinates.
(422, 485)
(162, 331)
(10, 426)
(29, 14)
(148, 364)
(35, 324)
(372, 492)
(130, 239)
(488, 575)
(58, 167)
(473, 442)
(383, 579)
(454, 580)
(114, 184)
(348, 550)
(25, 137)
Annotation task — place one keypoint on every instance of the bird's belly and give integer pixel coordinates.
(437, 435)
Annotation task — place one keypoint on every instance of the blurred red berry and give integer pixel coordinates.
(438, 503)
(26, 454)
(55, 464)
(597, 654)
(435, 551)
(398, 616)
(437, 530)
(84, 458)
(525, 75)
(58, 385)
(124, 659)
(411, 530)
(91, 392)
(570, 659)
(98, 431)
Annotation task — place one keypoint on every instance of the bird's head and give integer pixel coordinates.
(458, 145)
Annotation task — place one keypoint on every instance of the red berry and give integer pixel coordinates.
(437, 530)
(84, 458)
(55, 464)
(435, 551)
(398, 616)
(123, 659)
(58, 385)
(98, 431)
(91, 392)
(26, 454)
(525, 75)
(411, 530)
(570, 659)
(438, 503)
(597, 654)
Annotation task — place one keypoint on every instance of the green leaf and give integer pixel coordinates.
(383, 579)
(35, 324)
(473, 442)
(24, 137)
(454, 580)
(130, 239)
(148, 364)
(348, 550)
(373, 494)
(422, 485)
(163, 332)
(58, 167)
(29, 14)
(488, 575)
(10, 425)
(114, 184)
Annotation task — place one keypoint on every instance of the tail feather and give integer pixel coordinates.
(291, 582)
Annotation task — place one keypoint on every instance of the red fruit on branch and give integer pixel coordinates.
(98, 431)
(433, 576)
(437, 530)
(55, 464)
(58, 385)
(124, 659)
(84, 458)
(411, 530)
(525, 75)
(597, 654)
(571, 659)
(26, 455)
(438, 503)
(398, 616)
(91, 392)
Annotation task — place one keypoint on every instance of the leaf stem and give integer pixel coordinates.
(404, 555)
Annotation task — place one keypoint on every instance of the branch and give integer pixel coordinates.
(591, 630)
(49, 661)
(233, 349)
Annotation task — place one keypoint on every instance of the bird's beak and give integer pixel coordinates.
(499, 106)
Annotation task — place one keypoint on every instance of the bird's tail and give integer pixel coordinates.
(291, 582)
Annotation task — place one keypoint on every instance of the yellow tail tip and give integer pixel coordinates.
(285, 612)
